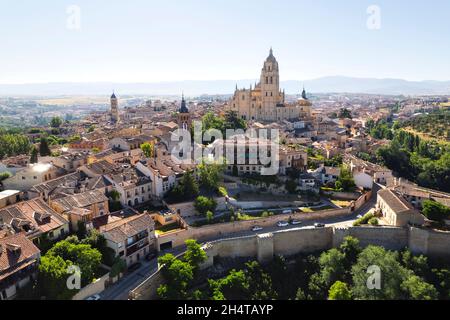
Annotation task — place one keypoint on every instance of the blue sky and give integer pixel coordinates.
(151, 41)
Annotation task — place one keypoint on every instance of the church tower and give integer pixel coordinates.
(270, 87)
(114, 108)
(183, 116)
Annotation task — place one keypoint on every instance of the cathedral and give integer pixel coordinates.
(266, 102)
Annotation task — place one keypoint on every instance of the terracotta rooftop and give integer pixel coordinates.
(32, 216)
(81, 200)
(15, 253)
(394, 201)
(123, 229)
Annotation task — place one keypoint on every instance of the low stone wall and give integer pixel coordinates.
(147, 290)
(342, 195)
(94, 288)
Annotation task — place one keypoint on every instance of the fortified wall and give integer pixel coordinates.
(264, 247)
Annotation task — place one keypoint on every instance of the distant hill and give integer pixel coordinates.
(337, 84)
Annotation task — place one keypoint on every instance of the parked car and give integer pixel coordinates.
(359, 216)
(134, 267)
(287, 211)
(151, 256)
(282, 223)
(319, 225)
(95, 297)
(256, 228)
(295, 222)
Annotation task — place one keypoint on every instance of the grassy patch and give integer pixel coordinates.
(341, 203)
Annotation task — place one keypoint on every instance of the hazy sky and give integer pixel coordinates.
(150, 41)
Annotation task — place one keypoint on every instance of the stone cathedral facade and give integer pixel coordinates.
(266, 102)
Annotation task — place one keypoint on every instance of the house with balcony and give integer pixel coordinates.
(131, 238)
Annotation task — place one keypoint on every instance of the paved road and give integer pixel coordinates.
(120, 290)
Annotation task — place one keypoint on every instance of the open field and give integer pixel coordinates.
(425, 136)
(69, 100)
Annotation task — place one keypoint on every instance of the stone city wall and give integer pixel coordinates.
(263, 247)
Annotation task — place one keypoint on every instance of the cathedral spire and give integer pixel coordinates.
(304, 93)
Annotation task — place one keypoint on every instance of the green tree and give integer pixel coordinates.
(345, 180)
(391, 272)
(210, 175)
(339, 291)
(82, 255)
(417, 289)
(53, 274)
(178, 275)
(209, 216)
(203, 204)
(34, 155)
(233, 121)
(194, 254)
(147, 149)
(345, 113)
(44, 149)
(435, 211)
(56, 122)
(234, 286)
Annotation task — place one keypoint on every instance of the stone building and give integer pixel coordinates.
(397, 211)
(114, 108)
(184, 120)
(266, 102)
(131, 238)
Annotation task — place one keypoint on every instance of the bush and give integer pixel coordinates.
(373, 221)
(364, 220)
(435, 211)
(203, 204)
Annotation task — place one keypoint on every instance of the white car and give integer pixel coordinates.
(287, 211)
(359, 216)
(256, 228)
(295, 222)
(95, 297)
(282, 224)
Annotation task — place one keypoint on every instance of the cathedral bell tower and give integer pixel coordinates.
(114, 108)
(270, 86)
(184, 116)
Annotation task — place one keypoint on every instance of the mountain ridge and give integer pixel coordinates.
(330, 84)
